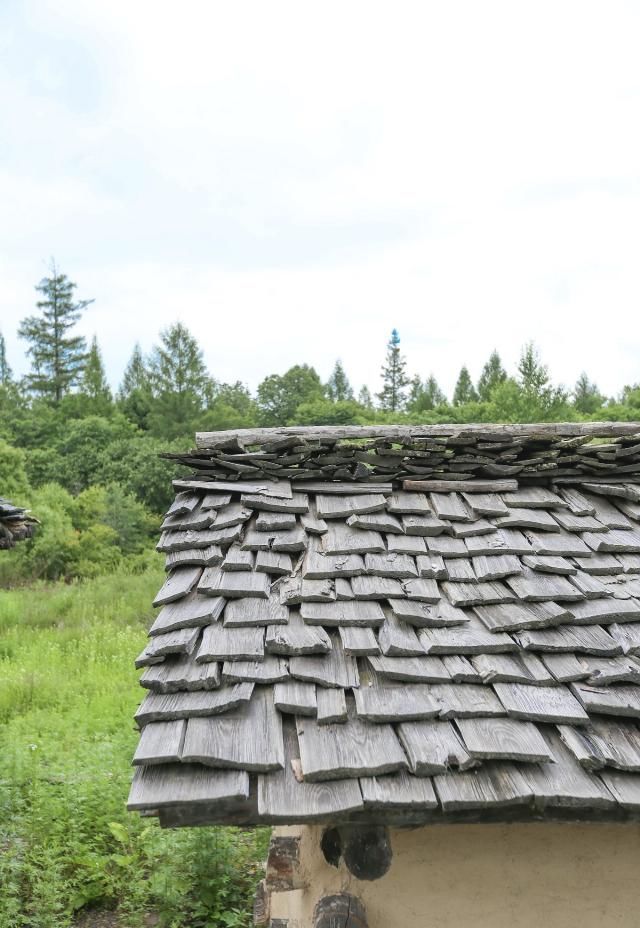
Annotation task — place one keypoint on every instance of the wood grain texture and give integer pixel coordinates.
(351, 749)
(170, 784)
(249, 738)
(504, 739)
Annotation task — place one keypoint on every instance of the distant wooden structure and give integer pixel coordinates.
(15, 524)
(367, 633)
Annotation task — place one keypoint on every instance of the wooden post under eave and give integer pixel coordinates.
(340, 911)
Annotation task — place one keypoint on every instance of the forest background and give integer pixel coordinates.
(87, 461)
(75, 601)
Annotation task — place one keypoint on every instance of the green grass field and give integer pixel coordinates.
(68, 691)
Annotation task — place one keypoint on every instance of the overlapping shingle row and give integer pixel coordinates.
(386, 654)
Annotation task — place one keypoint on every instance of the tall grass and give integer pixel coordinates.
(68, 691)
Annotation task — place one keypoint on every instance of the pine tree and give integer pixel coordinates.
(425, 396)
(136, 375)
(57, 356)
(433, 394)
(134, 393)
(541, 399)
(464, 391)
(492, 374)
(364, 397)
(179, 382)
(533, 374)
(394, 377)
(6, 374)
(586, 396)
(338, 386)
(94, 383)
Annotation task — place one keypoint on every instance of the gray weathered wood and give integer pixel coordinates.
(335, 669)
(164, 707)
(433, 747)
(512, 668)
(514, 616)
(332, 705)
(250, 611)
(504, 739)
(234, 583)
(395, 703)
(540, 703)
(297, 638)
(425, 525)
(275, 521)
(160, 743)
(391, 564)
(587, 639)
(295, 698)
(222, 644)
(359, 642)
(318, 591)
(406, 544)
(249, 738)
(237, 559)
(466, 700)
(495, 567)
(281, 797)
(171, 784)
(190, 611)
(347, 612)
(277, 563)
(295, 503)
(565, 783)
(397, 638)
(470, 638)
(181, 673)
(408, 503)
(609, 700)
(178, 584)
(341, 507)
(533, 586)
(270, 488)
(549, 565)
(460, 570)
(413, 669)
(469, 486)
(351, 749)
(485, 504)
(272, 669)
(431, 567)
(398, 790)
(428, 615)
(476, 594)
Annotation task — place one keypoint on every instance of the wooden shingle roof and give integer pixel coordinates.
(15, 524)
(405, 626)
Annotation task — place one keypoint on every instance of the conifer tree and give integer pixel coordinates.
(433, 394)
(134, 393)
(94, 383)
(492, 374)
(586, 396)
(57, 356)
(464, 391)
(338, 386)
(364, 397)
(179, 382)
(392, 397)
(6, 374)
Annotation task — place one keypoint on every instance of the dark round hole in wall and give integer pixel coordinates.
(367, 852)
(331, 846)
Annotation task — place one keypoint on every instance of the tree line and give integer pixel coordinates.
(87, 460)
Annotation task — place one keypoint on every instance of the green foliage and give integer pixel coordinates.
(94, 388)
(493, 373)
(280, 395)
(134, 396)
(57, 357)
(587, 399)
(66, 740)
(338, 387)
(464, 392)
(392, 397)
(324, 412)
(6, 374)
(13, 474)
(364, 397)
(179, 383)
(425, 396)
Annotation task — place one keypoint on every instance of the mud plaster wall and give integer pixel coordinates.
(502, 876)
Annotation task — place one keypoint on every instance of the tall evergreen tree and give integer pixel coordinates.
(492, 374)
(586, 396)
(6, 374)
(94, 383)
(533, 375)
(424, 396)
(136, 375)
(464, 392)
(394, 377)
(179, 382)
(433, 394)
(364, 397)
(57, 356)
(338, 386)
(134, 393)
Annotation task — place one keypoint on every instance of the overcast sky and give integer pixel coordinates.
(293, 179)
